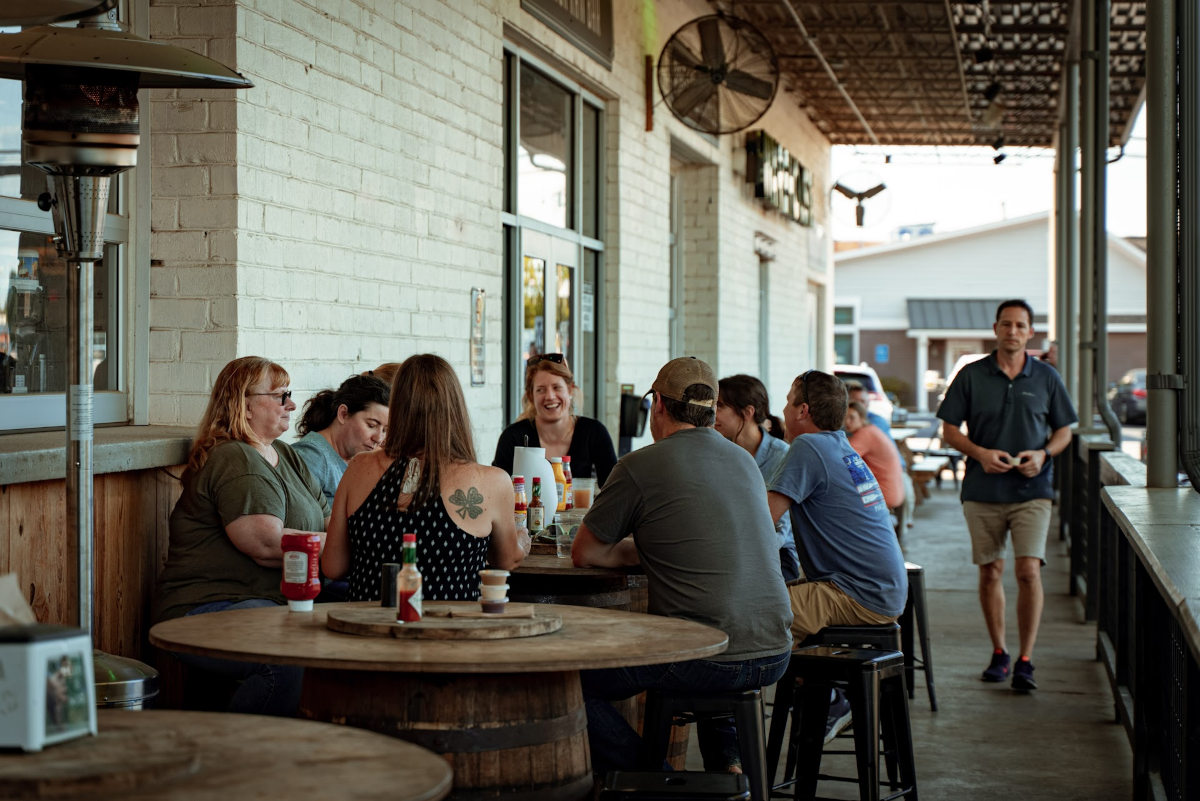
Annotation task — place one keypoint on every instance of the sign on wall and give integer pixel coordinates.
(478, 317)
(780, 181)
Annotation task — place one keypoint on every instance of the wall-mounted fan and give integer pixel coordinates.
(718, 74)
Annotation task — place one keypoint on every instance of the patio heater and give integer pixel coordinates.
(81, 128)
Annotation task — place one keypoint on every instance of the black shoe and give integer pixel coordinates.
(839, 715)
(998, 669)
(1023, 676)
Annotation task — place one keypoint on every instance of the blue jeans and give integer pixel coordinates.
(262, 689)
(614, 743)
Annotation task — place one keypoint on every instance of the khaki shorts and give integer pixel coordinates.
(817, 604)
(989, 524)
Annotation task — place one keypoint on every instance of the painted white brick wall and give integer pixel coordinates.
(338, 214)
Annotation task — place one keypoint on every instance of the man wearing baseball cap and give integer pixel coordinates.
(690, 509)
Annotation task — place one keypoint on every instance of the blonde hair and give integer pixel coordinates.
(225, 417)
(559, 369)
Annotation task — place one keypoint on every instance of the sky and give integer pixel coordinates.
(957, 188)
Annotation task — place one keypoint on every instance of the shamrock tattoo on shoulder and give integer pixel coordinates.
(467, 503)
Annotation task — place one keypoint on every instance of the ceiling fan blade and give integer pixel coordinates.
(844, 191)
(747, 84)
(710, 42)
(873, 191)
(684, 56)
(687, 99)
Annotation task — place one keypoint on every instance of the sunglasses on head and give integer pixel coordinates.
(284, 396)
(557, 358)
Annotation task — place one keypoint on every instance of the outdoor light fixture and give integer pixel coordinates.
(983, 55)
(998, 142)
(992, 91)
(81, 127)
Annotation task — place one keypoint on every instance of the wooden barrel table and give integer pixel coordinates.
(506, 713)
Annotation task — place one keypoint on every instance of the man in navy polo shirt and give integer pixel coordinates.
(1018, 417)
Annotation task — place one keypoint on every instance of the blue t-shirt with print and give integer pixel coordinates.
(841, 524)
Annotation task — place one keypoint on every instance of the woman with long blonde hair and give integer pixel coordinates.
(243, 490)
(424, 480)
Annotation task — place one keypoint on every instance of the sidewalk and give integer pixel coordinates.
(986, 742)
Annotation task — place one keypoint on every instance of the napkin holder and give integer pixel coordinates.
(47, 689)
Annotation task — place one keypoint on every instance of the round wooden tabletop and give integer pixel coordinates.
(208, 756)
(589, 638)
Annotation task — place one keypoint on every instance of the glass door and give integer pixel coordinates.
(548, 321)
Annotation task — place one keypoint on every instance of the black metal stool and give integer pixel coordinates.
(624, 785)
(914, 613)
(666, 708)
(886, 637)
(874, 682)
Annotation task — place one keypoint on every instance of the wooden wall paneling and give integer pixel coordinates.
(38, 549)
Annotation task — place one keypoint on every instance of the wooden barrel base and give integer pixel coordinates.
(516, 736)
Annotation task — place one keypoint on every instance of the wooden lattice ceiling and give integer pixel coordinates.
(922, 72)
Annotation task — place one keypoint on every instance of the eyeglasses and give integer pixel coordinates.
(284, 396)
(557, 358)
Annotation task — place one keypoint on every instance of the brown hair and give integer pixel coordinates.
(560, 369)
(860, 409)
(385, 372)
(825, 395)
(427, 418)
(225, 417)
(741, 391)
(690, 413)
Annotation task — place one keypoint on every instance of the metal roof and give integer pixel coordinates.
(945, 314)
(924, 72)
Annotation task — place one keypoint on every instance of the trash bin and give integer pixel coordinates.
(123, 683)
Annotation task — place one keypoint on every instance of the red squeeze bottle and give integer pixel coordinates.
(301, 579)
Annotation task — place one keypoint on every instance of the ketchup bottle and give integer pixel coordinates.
(301, 580)
(408, 584)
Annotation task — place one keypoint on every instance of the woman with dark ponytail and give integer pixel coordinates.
(340, 423)
(744, 417)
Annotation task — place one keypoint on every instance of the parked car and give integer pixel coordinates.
(1128, 397)
(962, 362)
(877, 400)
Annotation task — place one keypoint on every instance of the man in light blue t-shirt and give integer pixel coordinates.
(844, 535)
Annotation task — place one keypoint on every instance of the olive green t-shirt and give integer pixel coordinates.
(203, 564)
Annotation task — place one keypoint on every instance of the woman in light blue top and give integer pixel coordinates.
(338, 424)
(743, 417)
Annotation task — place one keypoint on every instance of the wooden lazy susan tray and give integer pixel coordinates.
(447, 620)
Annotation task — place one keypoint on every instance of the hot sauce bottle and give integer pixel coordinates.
(301, 578)
(408, 584)
(521, 506)
(569, 501)
(537, 512)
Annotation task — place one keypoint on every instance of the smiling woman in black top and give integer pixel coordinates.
(547, 422)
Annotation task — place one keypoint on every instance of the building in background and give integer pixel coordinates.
(911, 309)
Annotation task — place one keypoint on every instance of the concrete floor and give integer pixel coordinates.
(987, 742)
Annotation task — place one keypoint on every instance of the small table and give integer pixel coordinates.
(507, 714)
(207, 756)
(547, 578)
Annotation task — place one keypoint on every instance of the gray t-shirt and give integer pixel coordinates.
(695, 505)
(323, 462)
(841, 523)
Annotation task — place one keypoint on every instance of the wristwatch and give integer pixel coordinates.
(1049, 455)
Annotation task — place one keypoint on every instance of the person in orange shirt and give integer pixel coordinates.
(878, 451)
